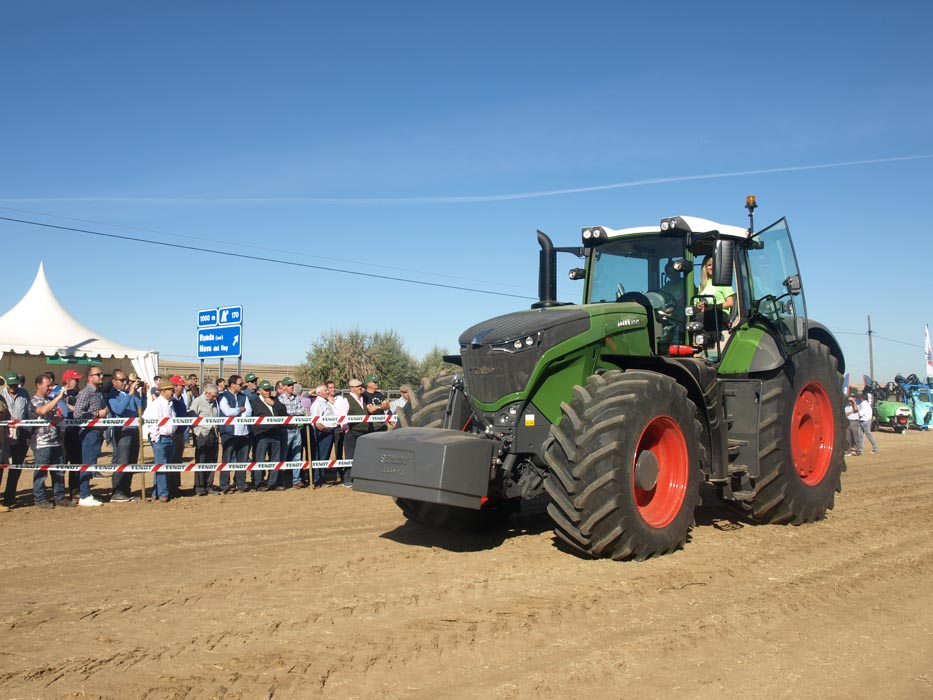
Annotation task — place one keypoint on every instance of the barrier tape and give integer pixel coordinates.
(185, 466)
(329, 422)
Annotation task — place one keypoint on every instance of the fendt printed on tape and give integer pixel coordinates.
(186, 466)
(327, 422)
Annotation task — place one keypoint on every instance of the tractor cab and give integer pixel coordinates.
(705, 286)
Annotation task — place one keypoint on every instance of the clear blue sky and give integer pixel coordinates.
(347, 135)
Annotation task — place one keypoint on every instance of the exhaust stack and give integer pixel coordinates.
(547, 273)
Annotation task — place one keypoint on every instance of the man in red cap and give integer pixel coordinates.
(180, 437)
(71, 442)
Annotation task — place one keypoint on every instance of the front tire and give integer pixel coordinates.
(801, 440)
(625, 466)
(428, 403)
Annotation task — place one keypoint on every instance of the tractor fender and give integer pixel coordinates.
(820, 333)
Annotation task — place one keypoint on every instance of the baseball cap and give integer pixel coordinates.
(372, 378)
(288, 381)
(250, 377)
(11, 378)
(176, 379)
(71, 374)
(264, 384)
(355, 382)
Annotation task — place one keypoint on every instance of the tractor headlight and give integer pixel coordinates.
(518, 344)
(594, 235)
(508, 416)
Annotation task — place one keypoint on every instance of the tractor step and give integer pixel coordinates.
(735, 446)
(738, 469)
(743, 495)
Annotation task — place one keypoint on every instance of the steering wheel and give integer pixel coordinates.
(660, 299)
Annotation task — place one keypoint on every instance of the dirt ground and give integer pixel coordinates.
(329, 594)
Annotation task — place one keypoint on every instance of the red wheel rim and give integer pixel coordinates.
(661, 504)
(812, 433)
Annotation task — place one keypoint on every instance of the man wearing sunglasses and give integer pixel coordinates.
(91, 403)
(124, 403)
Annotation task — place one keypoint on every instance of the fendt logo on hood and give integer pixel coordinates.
(481, 370)
(628, 322)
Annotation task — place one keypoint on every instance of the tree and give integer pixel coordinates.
(433, 363)
(394, 365)
(340, 356)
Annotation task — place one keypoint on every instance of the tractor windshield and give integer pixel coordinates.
(637, 263)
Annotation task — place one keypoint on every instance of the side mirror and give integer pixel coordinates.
(576, 273)
(722, 262)
(792, 284)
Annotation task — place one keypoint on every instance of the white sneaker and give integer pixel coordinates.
(89, 501)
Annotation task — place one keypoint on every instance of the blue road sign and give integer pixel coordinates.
(229, 314)
(223, 341)
(207, 317)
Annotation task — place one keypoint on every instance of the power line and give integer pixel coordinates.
(878, 337)
(258, 258)
(143, 229)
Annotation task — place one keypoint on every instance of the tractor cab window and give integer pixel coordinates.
(775, 288)
(649, 270)
(634, 264)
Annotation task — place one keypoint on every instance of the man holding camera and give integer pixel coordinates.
(124, 402)
(854, 428)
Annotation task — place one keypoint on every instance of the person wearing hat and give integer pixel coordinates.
(403, 403)
(161, 435)
(71, 442)
(90, 403)
(4, 415)
(251, 389)
(358, 407)
(291, 443)
(180, 438)
(16, 400)
(268, 438)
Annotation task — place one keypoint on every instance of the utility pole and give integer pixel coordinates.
(871, 355)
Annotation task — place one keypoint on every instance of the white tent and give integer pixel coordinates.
(40, 326)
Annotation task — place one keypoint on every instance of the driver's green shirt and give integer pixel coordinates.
(720, 294)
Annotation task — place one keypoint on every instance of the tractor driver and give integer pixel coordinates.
(724, 298)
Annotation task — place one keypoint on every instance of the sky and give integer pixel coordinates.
(366, 142)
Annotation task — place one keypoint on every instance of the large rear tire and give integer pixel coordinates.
(801, 440)
(625, 466)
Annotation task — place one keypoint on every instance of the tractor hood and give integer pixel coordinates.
(521, 324)
(500, 354)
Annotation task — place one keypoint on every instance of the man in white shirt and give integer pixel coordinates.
(322, 407)
(161, 436)
(234, 439)
(864, 419)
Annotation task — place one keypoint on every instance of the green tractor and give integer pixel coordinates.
(619, 408)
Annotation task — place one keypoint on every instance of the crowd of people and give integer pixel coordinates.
(124, 395)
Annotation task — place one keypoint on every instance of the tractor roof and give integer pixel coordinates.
(693, 224)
